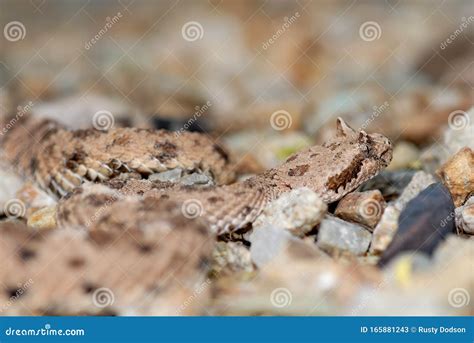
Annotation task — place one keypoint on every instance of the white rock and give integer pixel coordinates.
(336, 235)
(298, 211)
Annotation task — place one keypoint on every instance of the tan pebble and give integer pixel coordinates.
(43, 219)
(362, 207)
(458, 175)
(405, 155)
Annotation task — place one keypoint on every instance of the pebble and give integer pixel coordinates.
(405, 155)
(388, 224)
(267, 243)
(43, 219)
(298, 211)
(465, 217)
(365, 208)
(196, 179)
(231, 257)
(336, 235)
(458, 175)
(172, 175)
(425, 222)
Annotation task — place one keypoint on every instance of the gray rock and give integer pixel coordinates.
(196, 179)
(298, 211)
(390, 183)
(267, 243)
(172, 175)
(336, 235)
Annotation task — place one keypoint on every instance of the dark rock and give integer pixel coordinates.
(423, 224)
(390, 183)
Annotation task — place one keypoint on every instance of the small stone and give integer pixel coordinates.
(388, 224)
(231, 257)
(44, 219)
(336, 235)
(298, 211)
(465, 217)
(405, 155)
(172, 175)
(196, 179)
(267, 242)
(365, 208)
(458, 175)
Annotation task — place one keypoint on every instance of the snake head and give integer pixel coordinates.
(338, 166)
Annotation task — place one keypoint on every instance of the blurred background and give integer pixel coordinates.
(398, 67)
